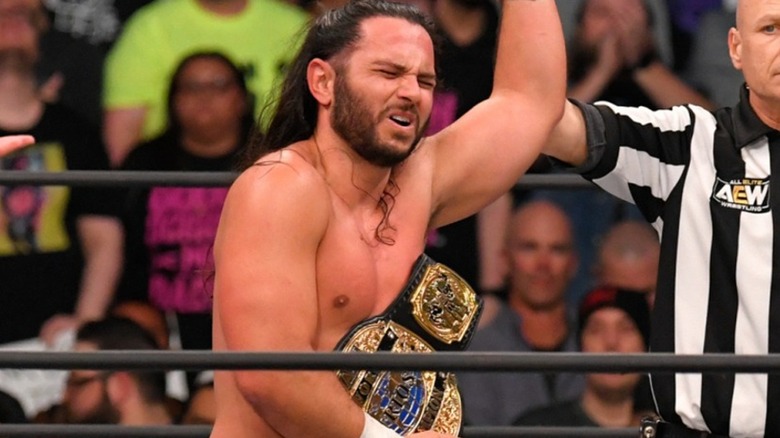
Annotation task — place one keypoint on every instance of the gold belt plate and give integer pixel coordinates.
(444, 304)
(404, 401)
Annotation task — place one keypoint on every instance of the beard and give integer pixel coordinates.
(104, 413)
(351, 119)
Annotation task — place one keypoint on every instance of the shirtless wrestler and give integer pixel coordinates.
(322, 231)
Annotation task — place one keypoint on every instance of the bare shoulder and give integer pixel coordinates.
(282, 191)
(279, 177)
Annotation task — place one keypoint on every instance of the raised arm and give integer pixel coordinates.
(486, 151)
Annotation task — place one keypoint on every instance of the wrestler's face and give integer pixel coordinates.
(611, 330)
(754, 46)
(383, 95)
(541, 256)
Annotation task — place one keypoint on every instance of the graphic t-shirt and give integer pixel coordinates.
(40, 255)
(181, 224)
(171, 230)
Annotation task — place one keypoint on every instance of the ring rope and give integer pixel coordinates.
(444, 361)
(115, 431)
(132, 178)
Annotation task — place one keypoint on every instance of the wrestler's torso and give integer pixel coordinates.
(357, 277)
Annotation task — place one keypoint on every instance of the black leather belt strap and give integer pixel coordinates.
(408, 309)
(436, 311)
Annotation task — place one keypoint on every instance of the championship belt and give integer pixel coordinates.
(437, 311)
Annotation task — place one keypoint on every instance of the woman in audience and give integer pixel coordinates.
(170, 229)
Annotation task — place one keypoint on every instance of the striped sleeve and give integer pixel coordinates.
(642, 153)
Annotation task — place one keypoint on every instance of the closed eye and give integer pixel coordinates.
(428, 85)
(388, 74)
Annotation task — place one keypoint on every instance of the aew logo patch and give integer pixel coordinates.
(750, 195)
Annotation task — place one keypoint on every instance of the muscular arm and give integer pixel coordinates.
(266, 298)
(485, 152)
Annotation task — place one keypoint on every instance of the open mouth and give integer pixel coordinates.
(402, 121)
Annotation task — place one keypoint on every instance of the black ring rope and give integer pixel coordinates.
(518, 362)
(130, 178)
(444, 361)
(102, 431)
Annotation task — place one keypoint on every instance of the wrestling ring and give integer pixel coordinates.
(445, 361)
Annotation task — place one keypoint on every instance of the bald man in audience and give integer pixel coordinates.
(534, 317)
(628, 258)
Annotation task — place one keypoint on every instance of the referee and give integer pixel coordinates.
(703, 180)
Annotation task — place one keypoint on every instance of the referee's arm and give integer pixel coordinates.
(568, 141)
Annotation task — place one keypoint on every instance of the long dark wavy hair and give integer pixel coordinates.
(295, 109)
(337, 31)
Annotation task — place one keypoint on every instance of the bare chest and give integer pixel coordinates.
(358, 276)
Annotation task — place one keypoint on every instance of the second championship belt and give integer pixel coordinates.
(437, 311)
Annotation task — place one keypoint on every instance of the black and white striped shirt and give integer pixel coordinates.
(703, 180)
